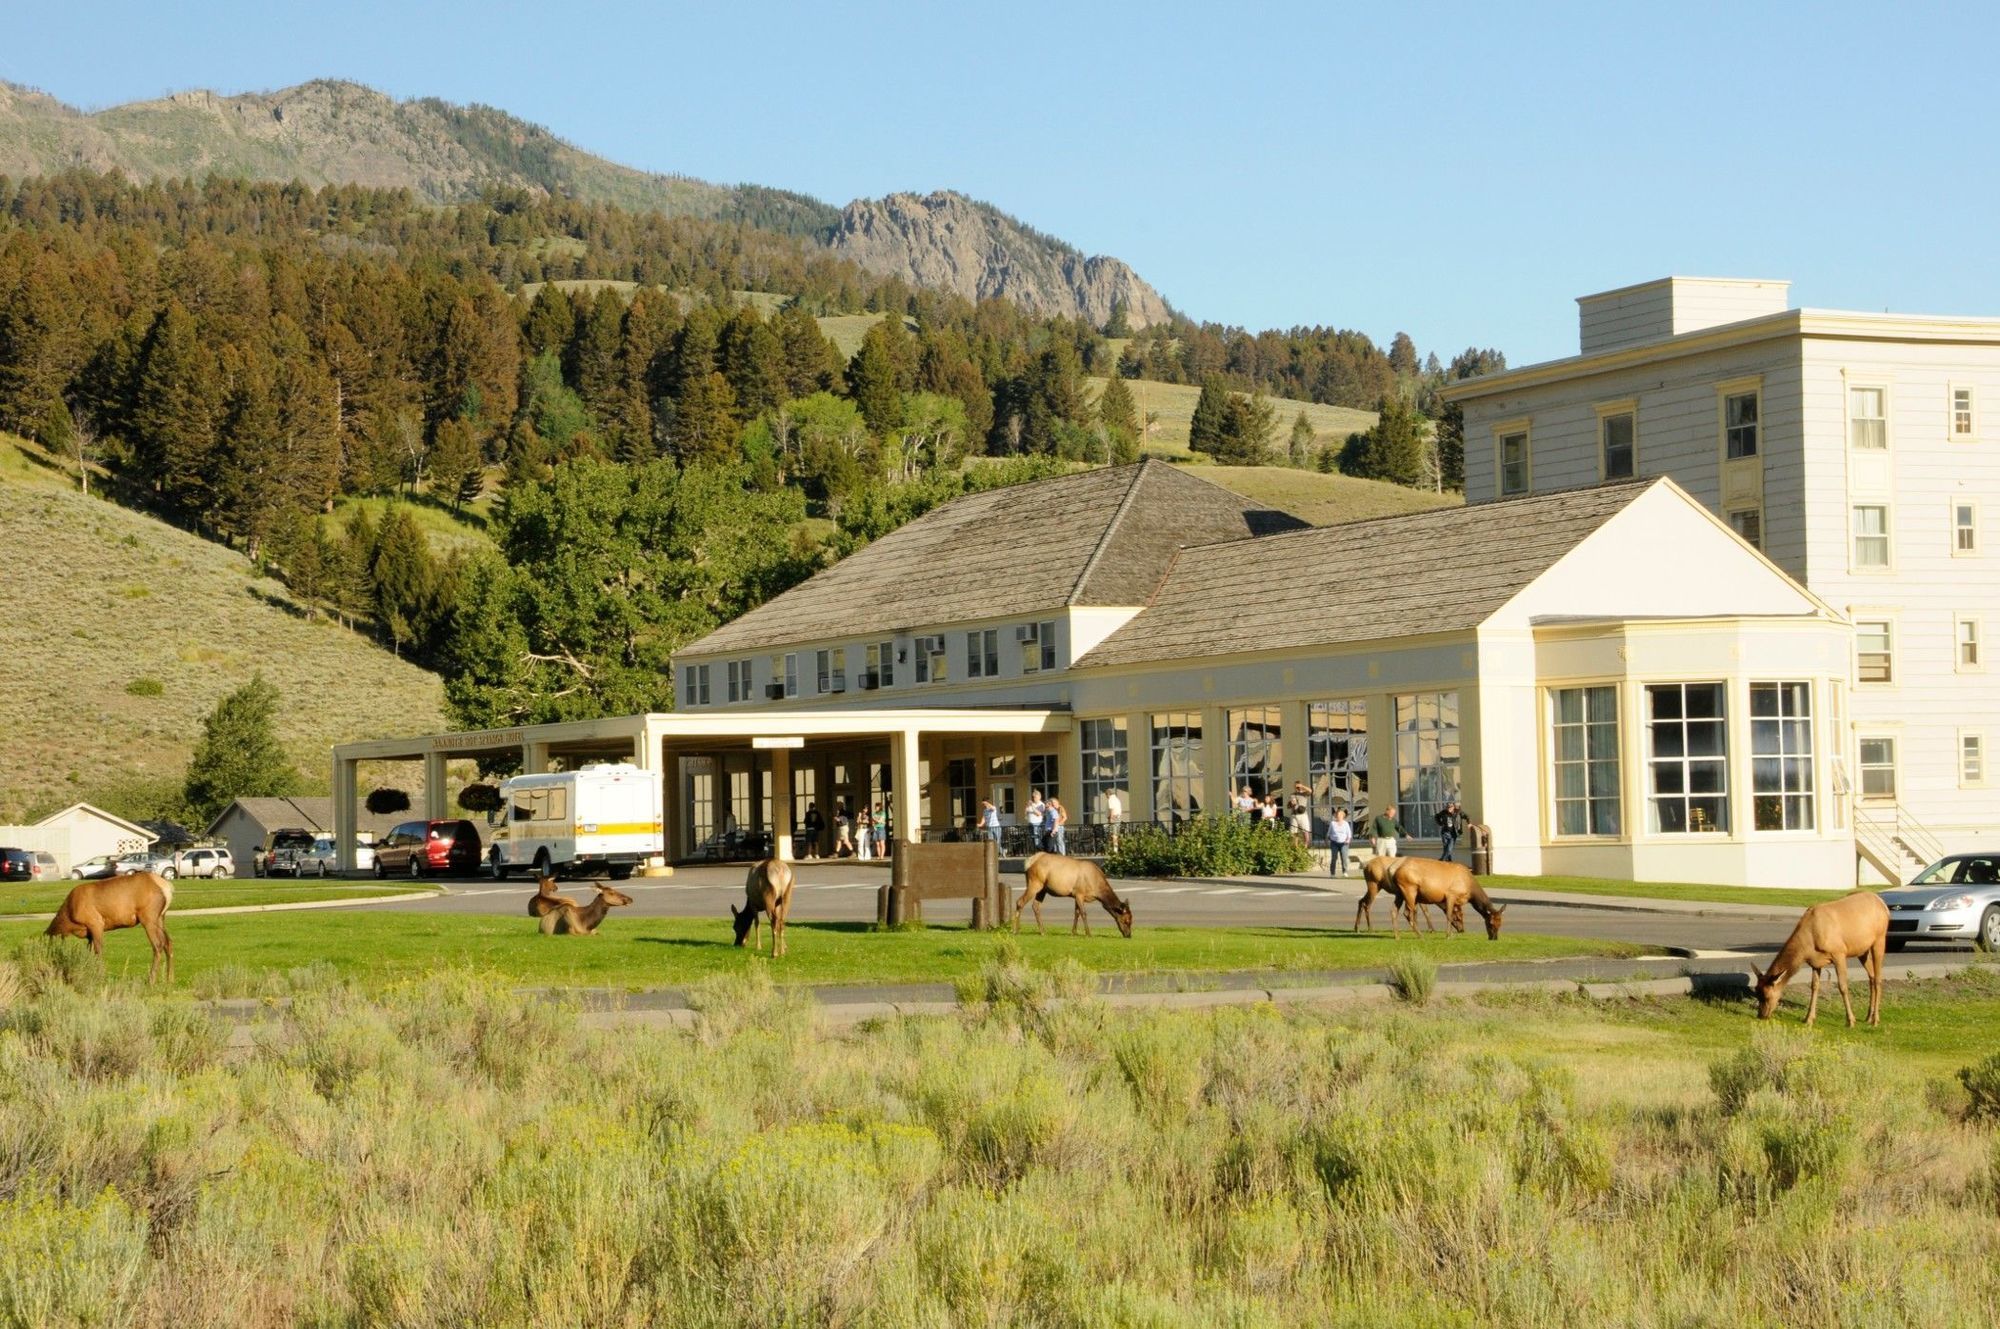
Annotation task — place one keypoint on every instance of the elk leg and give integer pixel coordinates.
(1812, 1007)
(1361, 907)
(1872, 962)
(1081, 917)
(1841, 973)
(156, 933)
(97, 939)
(778, 930)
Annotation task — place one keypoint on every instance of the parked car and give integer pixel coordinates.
(321, 861)
(421, 847)
(209, 861)
(146, 860)
(1956, 898)
(281, 851)
(104, 865)
(17, 865)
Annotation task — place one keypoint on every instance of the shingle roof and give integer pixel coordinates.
(1100, 537)
(1437, 571)
(313, 812)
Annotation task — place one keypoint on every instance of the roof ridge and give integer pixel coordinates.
(1104, 536)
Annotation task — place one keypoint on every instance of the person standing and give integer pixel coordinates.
(1339, 833)
(1037, 813)
(1451, 825)
(864, 833)
(815, 826)
(1055, 816)
(989, 821)
(1301, 822)
(1385, 831)
(884, 842)
(1246, 804)
(843, 844)
(1114, 813)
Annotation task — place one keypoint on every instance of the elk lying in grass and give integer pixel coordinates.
(1079, 879)
(582, 920)
(545, 901)
(130, 899)
(1448, 885)
(1828, 936)
(767, 890)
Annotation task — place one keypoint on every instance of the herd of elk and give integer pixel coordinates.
(767, 890)
(1828, 936)
(130, 899)
(1078, 878)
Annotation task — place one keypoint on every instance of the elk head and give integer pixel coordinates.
(1122, 914)
(1770, 987)
(742, 919)
(611, 894)
(1493, 921)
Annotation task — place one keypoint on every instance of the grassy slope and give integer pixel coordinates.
(1173, 404)
(1324, 499)
(465, 530)
(95, 596)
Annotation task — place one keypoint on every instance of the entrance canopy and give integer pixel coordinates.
(652, 741)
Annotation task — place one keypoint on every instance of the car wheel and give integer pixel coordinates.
(416, 868)
(170, 873)
(542, 863)
(381, 870)
(1989, 929)
(76, 874)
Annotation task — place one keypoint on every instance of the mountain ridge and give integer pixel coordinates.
(333, 131)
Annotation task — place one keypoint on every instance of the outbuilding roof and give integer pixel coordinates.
(309, 812)
(1099, 537)
(1440, 571)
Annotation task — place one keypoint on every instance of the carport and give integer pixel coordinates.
(757, 768)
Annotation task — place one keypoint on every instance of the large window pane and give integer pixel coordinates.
(1176, 756)
(1106, 767)
(1256, 750)
(1687, 758)
(1337, 758)
(1585, 722)
(1427, 753)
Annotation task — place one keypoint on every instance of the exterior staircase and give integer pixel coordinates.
(1893, 842)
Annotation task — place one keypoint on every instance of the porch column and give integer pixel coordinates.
(907, 818)
(435, 808)
(781, 804)
(1297, 764)
(1139, 768)
(938, 794)
(534, 758)
(1069, 773)
(344, 818)
(1215, 772)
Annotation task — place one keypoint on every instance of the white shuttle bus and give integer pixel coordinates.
(601, 818)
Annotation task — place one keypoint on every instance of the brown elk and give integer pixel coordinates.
(582, 920)
(130, 899)
(1376, 875)
(1828, 935)
(545, 901)
(1449, 885)
(766, 890)
(1079, 879)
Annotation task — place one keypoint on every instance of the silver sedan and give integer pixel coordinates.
(1954, 899)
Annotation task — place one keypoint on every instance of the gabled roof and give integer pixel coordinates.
(312, 812)
(1100, 537)
(1439, 571)
(89, 809)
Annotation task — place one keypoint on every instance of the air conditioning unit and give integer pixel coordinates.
(870, 680)
(1028, 633)
(774, 691)
(931, 645)
(839, 682)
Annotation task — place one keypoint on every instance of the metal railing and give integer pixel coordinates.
(1081, 839)
(1892, 833)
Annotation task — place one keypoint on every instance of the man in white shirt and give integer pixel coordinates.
(1036, 811)
(1114, 813)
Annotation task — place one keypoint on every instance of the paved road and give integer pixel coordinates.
(845, 892)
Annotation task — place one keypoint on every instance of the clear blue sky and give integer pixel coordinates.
(1461, 172)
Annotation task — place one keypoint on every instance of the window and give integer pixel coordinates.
(1337, 756)
(1781, 756)
(831, 670)
(879, 664)
(1426, 758)
(1176, 754)
(1871, 535)
(1971, 760)
(697, 685)
(1040, 653)
(792, 675)
(1872, 656)
(961, 775)
(1964, 529)
(1256, 750)
(701, 804)
(982, 654)
(738, 679)
(1584, 722)
(1617, 433)
(1966, 632)
(1748, 523)
(805, 793)
(1514, 463)
(932, 664)
(1105, 767)
(1739, 424)
(1045, 774)
(1878, 767)
(1687, 758)
(1868, 418)
(1961, 413)
(1000, 772)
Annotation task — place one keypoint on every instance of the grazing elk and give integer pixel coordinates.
(1448, 885)
(130, 899)
(582, 920)
(1079, 879)
(545, 901)
(1376, 875)
(767, 890)
(1829, 935)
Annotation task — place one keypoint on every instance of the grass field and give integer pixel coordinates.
(1173, 405)
(635, 953)
(445, 530)
(97, 597)
(201, 894)
(1324, 499)
(1778, 897)
(442, 1152)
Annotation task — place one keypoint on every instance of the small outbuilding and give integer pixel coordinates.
(79, 832)
(246, 824)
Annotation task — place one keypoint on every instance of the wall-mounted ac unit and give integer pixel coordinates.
(774, 691)
(839, 682)
(931, 645)
(870, 680)
(1028, 632)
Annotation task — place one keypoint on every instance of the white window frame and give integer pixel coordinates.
(740, 681)
(1888, 654)
(698, 693)
(1965, 632)
(1970, 433)
(1606, 413)
(1429, 757)
(791, 673)
(1887, 536)
(1972, 774)
(1591, 797)
(1726, 393)
(1653, 762)
(1862, 767)
(1964, 534)
(1800, 761)
(982, 653)
(1855, 421)
(1522, 429)
(1755, 513)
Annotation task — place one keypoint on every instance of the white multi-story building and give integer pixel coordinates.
(1858, 451)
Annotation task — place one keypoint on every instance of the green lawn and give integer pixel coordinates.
(1666, 890)
(668, 952)
(188, 895)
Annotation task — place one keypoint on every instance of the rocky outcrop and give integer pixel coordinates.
(949, 242)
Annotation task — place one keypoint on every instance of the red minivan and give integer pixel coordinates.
(424, 847)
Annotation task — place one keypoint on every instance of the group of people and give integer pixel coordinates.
(1385, 833)
(1046, 819)
(863, 836)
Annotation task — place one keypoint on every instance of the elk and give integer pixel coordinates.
(766, 890)
(1079, 879)
(1376, 875)
(1449, 885)
(582, 920)
(545, 901)
(1828, 935)
(130, 899)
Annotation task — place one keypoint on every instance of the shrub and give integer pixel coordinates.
(1414, 976)
(1982, 1087)
(1207, 846)
(145, 687)
(387, 802)
(479, 798)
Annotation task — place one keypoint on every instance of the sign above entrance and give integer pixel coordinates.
(764, 742)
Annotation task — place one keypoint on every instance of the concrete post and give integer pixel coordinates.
(344, 814)
(1069, 774)
(781, 804)
(1139, 768)
(435, 807)
(534, 758)
(907, 817)
(1215, 773)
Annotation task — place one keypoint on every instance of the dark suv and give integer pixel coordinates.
(17, 865)
(421, 847)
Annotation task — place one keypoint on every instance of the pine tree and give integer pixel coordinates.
(872, 379)
(238, 755)
(593, 356)
(1208, 431)
(457, 462)
(1120, 322)
(1302, 449)
(404, 579)
(705, 421)
(177, 407)
(551, 322)
(812, 363)
(1403, 356)
(752, 358)
(1116, 408)
(1247, 438)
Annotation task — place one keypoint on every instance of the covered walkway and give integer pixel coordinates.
(737, 781)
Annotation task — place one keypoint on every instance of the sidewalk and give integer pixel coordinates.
(1350, 888)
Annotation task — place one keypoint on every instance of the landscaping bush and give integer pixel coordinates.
(1414, 976)
(1207, 846)
(387, 802)
(1982, 1088)
(479, 798)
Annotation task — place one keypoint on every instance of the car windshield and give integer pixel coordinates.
(1964, 870)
